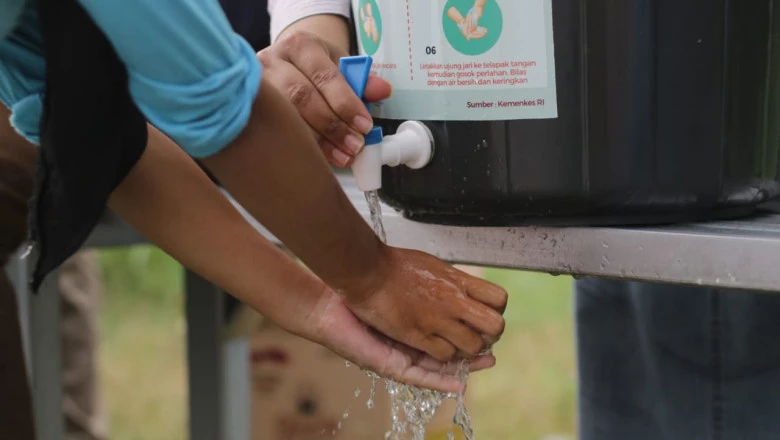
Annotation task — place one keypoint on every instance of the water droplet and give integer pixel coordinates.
(450, 435)
(357, 392)
(605, 246)
(27, 251)
(347, 364)
(370, 403)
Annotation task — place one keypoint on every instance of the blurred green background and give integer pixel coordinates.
(529, 395)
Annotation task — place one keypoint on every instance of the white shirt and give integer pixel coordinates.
(286, 12)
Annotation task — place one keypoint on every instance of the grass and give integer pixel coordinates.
(530, 394)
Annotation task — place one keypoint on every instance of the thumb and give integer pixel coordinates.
(377, 89)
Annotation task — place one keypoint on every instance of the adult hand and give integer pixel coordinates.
(305, 68)
(337, 328)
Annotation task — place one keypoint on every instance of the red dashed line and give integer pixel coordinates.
(409, 34)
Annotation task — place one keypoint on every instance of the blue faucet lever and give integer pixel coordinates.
(356, 71)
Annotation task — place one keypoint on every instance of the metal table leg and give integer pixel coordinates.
(237, 391)
(17, 273)
(204, 358)
(46, 357)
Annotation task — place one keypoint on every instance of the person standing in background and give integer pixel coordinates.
(655, 361)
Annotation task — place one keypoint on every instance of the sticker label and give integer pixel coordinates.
(467, 60)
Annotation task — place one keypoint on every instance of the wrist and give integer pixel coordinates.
(363, 271)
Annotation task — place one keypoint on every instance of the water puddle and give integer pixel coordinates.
(412, 407)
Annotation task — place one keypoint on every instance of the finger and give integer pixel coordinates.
(408, 365)
(464, 338)
(483, 363)
(324, 74)
(377, 89)
(428, 363)
(420, 377)
(314, 109)
(487, 293)
(440, 349)
(334, 156)
(384, 356)
(484, 320)
(478, 363)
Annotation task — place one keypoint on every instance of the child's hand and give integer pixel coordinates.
(427, 304)
(337, 328)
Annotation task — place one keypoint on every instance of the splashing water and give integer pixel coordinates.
(375, 209)
(413, 407)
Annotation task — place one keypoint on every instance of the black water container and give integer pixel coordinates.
(668, 111)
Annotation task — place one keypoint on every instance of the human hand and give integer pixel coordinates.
(305, 68)
(469, 25)
(473, 17)
(337, 328)
(420, 301)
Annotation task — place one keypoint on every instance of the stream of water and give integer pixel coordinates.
(413, 407)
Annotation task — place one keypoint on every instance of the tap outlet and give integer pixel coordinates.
(411, 146)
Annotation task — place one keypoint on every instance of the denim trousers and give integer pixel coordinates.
(660, 362)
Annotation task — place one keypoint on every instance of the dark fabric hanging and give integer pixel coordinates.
(92, 134)
(250, 19)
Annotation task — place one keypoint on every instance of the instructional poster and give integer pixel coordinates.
(467, 60)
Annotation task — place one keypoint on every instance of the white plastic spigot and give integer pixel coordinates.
(411, 145)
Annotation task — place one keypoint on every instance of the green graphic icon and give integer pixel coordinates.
(472, 27)
(369, 26)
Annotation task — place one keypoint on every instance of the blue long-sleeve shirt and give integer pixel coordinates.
(190, 74)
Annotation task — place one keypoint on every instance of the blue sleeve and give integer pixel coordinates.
(22, 75)
(191, 75)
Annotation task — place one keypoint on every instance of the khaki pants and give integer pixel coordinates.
(80, 288)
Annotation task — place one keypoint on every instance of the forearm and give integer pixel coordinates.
(172, 203)
(276, 171)
(329, 27)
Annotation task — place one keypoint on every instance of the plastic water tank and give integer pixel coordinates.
(580, 112)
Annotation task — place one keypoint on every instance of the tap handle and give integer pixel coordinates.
(356, 70)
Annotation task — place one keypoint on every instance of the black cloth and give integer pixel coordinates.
(92, 134)
(250, 19)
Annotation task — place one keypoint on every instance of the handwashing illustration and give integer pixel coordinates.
(370, 25)
(469, 25)
(472, 27)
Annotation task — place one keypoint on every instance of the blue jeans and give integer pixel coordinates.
(660, 362)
